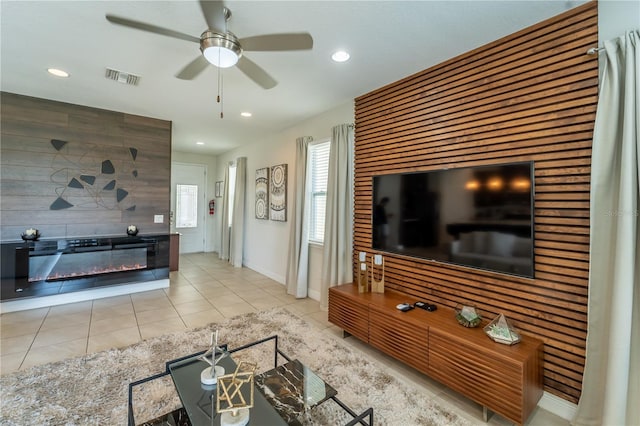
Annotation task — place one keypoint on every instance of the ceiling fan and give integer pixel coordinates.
(221, 47)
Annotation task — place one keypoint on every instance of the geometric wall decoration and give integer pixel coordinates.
(86, 180)
(278, 193)
(262, 193)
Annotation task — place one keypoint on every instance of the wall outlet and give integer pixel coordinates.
(158, 218)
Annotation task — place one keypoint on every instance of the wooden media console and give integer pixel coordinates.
(504, 379)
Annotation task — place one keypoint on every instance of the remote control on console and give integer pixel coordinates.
(426, 306)
(404, 307)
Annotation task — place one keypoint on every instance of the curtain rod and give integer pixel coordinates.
(595, 50)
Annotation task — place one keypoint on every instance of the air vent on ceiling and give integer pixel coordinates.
(122, 77)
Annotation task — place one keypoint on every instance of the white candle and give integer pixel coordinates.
(363, 266)
(363, 256)
(377, 259)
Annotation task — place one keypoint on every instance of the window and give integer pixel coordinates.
(186, 206)
(318, 167)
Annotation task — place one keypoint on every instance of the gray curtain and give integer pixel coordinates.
(338, 233)
(298, 260)
(237, 227)
(611, 381)
(224, 211)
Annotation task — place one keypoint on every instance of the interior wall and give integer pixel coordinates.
(530, 96)
(70, 170)
(266, 244)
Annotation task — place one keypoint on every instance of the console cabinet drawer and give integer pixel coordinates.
(398, 338)
(494, 381)
(349, 315)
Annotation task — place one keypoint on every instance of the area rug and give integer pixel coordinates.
(92, 389)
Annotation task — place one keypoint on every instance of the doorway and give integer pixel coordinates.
(188, 202)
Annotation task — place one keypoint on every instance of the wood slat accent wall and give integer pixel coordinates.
(33, 172)
(529, 96)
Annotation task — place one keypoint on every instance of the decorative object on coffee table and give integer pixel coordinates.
(209, 375)
(377, 286)
(31, 234)
(363, 279)
(501, 331)
(231, 402)
(132, 230)
(468, 316)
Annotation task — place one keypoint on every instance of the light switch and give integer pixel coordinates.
(158, 218)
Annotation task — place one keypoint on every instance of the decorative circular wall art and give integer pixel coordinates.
(262, 193)
(278, 193)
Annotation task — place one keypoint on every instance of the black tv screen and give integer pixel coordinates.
(481, 217)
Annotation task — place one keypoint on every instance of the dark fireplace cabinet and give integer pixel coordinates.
(62, 265)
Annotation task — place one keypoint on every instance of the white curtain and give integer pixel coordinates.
(298, 260)
(224, 211)
(338, 232)
(611, 382)
(237, 227)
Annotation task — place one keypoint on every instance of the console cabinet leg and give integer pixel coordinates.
(345, 334)
(486, 414)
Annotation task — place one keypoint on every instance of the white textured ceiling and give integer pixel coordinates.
(388, 40)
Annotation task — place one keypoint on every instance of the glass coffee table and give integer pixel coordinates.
(283, 394)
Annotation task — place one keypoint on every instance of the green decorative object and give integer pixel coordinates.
(468, 316)
(501, 331)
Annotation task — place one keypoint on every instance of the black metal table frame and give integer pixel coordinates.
(357, 418)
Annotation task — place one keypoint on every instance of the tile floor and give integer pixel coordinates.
(204, 290)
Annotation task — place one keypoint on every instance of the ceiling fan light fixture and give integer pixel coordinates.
(221, 50)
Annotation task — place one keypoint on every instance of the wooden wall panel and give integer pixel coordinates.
(530, 96)
(32, 170)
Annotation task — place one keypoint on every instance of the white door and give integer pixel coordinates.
(189, 205)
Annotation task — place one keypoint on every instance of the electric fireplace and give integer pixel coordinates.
(54, 266)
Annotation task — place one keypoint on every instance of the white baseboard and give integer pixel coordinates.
(313, 294)
(265, 272)
(81, 296)
(558, 406)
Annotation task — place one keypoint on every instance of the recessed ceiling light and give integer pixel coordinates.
(340, 56)
(199, 143)
(57, 72)
(245, 114)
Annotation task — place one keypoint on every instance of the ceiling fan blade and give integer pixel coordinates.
(255, 73)
(214, 14)
(151, 28)
(278, 42)
(193, 68)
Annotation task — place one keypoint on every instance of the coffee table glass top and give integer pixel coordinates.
(292, 388)
(199, 400)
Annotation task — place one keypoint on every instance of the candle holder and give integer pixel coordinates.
(30, 234)
(209, 376)
(363, 278)
(377, 286)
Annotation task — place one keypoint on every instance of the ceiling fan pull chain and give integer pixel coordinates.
(220, 87)
(221, 96)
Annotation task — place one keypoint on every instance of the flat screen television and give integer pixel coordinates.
(480, 217)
